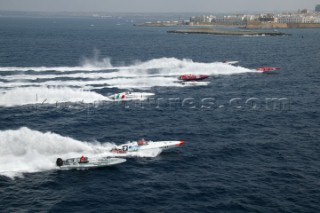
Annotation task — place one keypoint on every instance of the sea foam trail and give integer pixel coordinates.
(59, 69)
(167, 65)
(121, 83)
(47, 95)
(161, 72)
(86, 65)
(26, 151)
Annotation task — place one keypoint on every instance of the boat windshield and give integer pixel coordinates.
(70, 161)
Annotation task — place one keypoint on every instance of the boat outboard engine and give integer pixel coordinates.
(59, 162)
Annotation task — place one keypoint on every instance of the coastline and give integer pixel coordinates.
(220, 32)
(280, 25)
(247, 26)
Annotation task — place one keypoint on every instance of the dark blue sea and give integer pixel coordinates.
(251, 138)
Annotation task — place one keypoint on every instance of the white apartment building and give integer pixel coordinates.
(298, 19)
(230, 19)
(202, 19)
(290, 19)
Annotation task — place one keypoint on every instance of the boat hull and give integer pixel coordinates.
(267, 69)
(147, 145)
(191, 77)
(130, 96)
(75, 163)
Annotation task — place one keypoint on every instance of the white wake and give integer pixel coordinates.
(99, 74)
(26, 151)
(47, 95)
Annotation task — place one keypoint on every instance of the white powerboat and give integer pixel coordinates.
(87, 163)
(142, 145)
(128, 96)
(230, 62)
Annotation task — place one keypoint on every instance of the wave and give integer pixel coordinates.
(27, 151)
(75, 87)
(93, 64)
(156, 72)
(60, 69)
(165, 65)
(47, 95)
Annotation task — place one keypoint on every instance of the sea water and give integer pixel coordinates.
(251, 139)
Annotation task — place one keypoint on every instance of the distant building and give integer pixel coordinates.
(201, 19)
(266, 18)
(317, 8)
(234, 20)
(290, 19)
(298, 19)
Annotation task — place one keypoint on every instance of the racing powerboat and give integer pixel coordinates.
(230, 62)
(86, 163)
(127, 96)
(267, 69)
(192, 77)
(141, 145)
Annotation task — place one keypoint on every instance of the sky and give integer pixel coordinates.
(160, 6)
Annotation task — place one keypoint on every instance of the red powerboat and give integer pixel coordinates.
(191, 77)
(266, 69)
